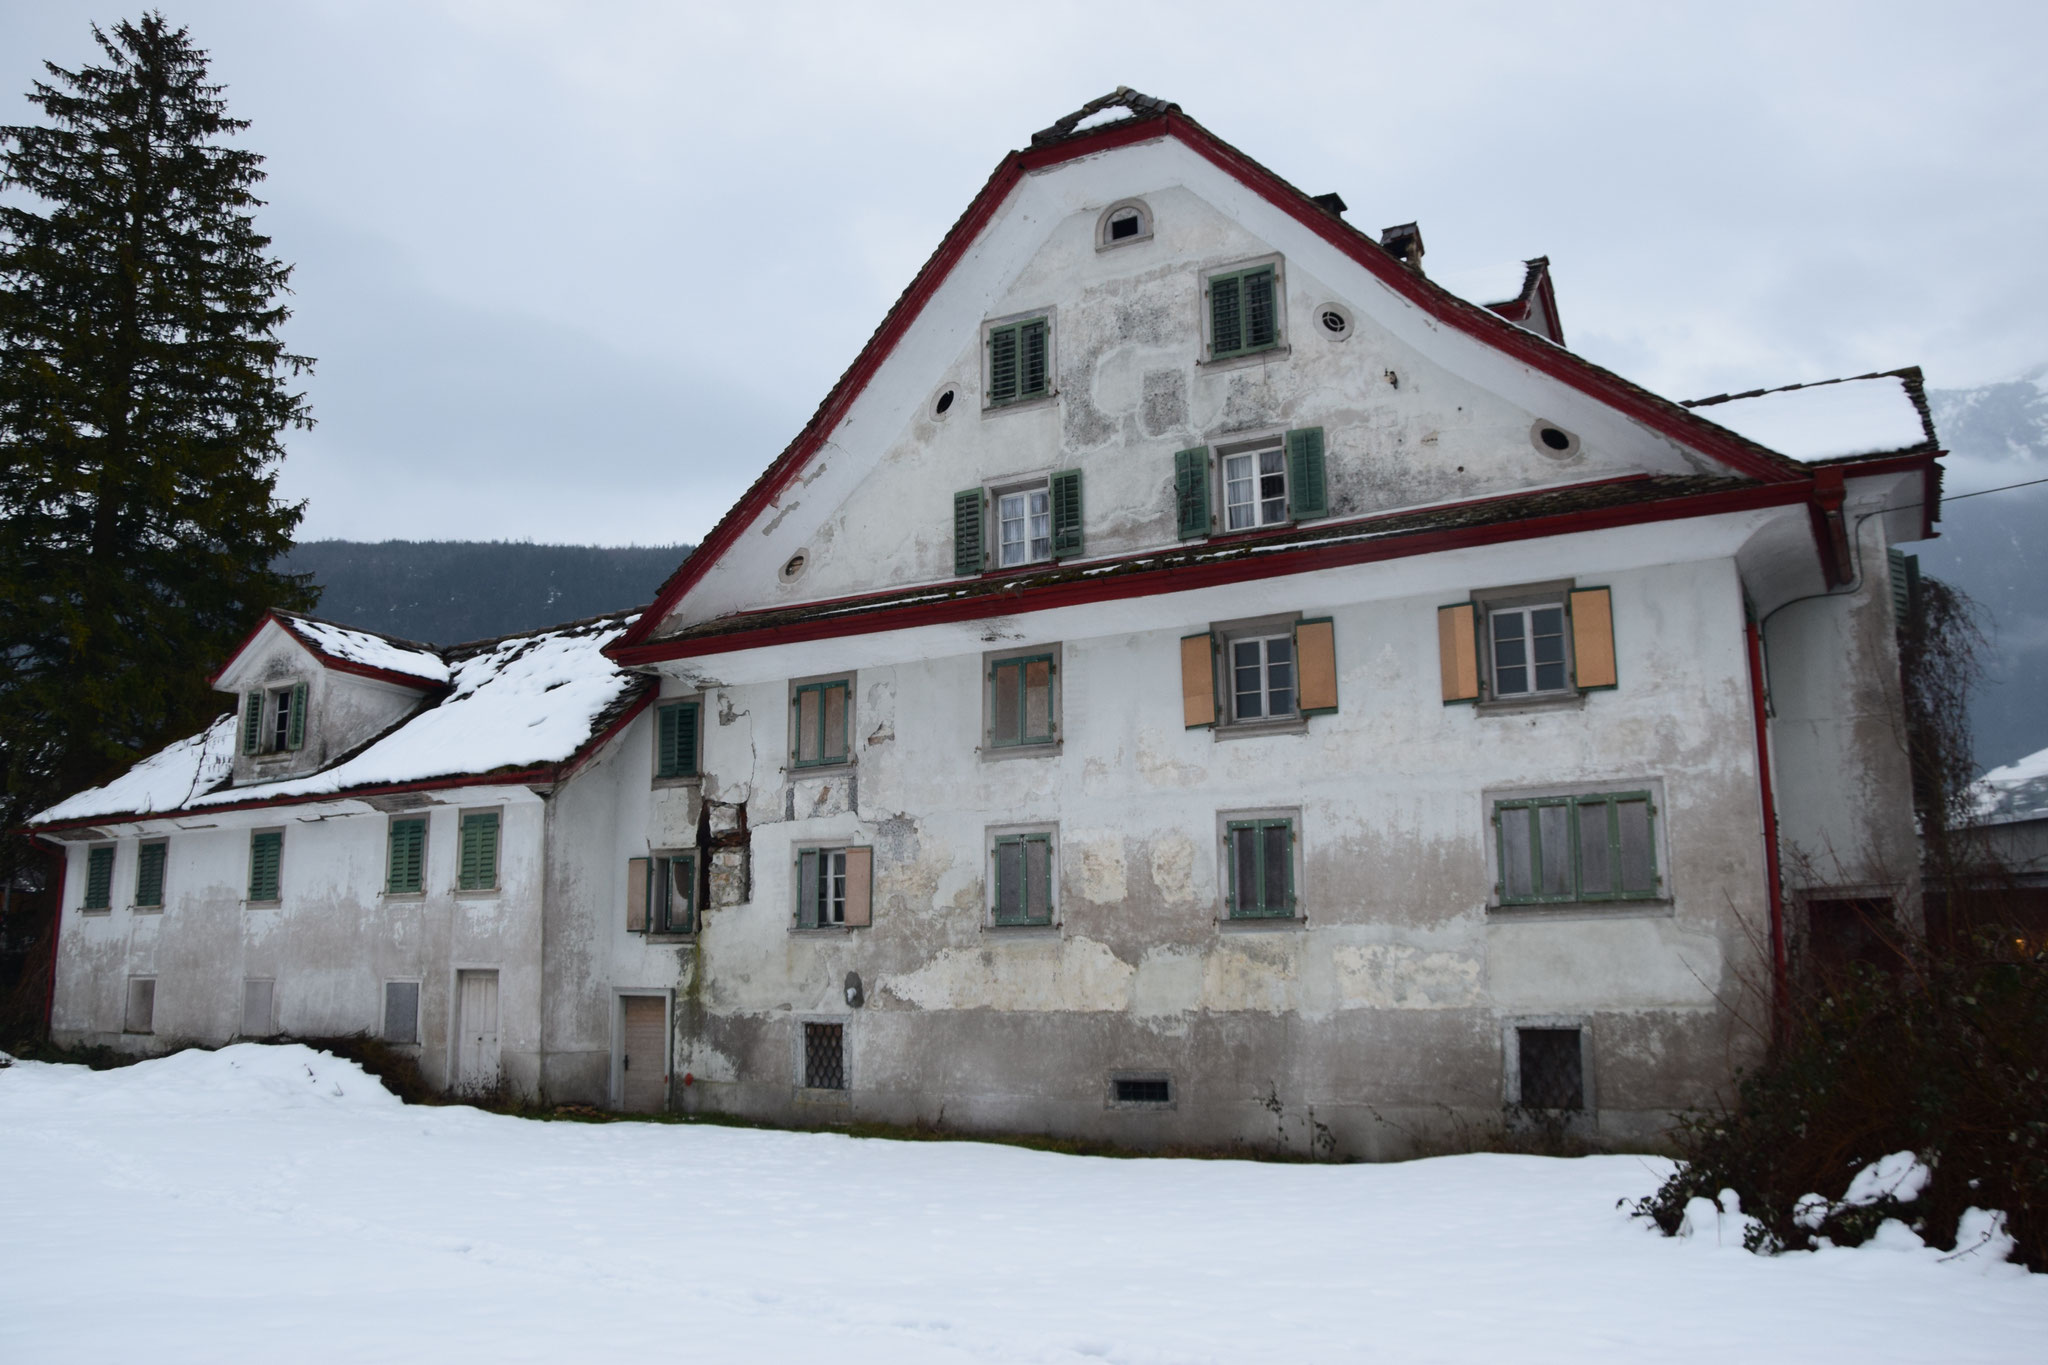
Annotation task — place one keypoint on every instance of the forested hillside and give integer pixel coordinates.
(446, 591)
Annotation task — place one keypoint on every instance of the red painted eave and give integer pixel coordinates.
(1184, 578)
(411, 681)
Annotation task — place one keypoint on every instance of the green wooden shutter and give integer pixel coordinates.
(967, 552)
(1002, 364)
(1191, 491)
(1307, 492)
(407, 871)
(149, 874)
(1035, 377)
(252, 723)
(266, 865)
(677, 747)
(1261, 318)
(479, 864)
(297, 738)
(1066, 513)
(1226, 317)
(99, 879)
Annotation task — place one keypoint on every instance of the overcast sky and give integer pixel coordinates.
(576, 272)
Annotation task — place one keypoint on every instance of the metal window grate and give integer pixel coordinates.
(1553, 1076)
(825, 1056)
(1143, 1090)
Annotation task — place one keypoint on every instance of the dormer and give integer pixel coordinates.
(1519, 291)
(307, 692)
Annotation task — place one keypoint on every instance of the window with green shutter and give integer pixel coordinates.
(1191, 492)
(252, 723)
(1307, 490)
(1019, 361)
(821, 718)
(406, 865)
(477, 868)
(1259, 872)
(672, 893)
(1244, 312)
(676, 739)
(149, 874)
(1021, 703)
(99, 879)
(967, 536)
(1562, 849)
(266, 865)
(1066, 513)
(295, 733)
(1022, 879)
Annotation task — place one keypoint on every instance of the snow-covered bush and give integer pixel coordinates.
(1916, 1094)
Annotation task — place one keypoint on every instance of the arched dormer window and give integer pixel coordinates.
(1123, 223)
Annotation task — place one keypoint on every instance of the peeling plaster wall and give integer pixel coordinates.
(1838, 737)
(1389, 999)
(330, 945)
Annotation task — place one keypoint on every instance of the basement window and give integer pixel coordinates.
(824, 1059)
(1550, 1069)
(1141, 1092)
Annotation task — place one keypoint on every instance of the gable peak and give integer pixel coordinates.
(1123, 97)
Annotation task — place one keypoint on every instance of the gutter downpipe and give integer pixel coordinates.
(1772, 872)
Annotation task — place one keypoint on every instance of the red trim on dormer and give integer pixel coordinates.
(411, 681)
(1659, 414)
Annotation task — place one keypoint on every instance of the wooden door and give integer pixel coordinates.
(643, 1053)
(476, 1047)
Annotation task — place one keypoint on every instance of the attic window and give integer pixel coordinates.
(1124, 223)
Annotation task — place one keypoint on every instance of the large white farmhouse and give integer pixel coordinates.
(1194, 680)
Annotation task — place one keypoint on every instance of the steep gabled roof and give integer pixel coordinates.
(1096, 128)
(519, 709)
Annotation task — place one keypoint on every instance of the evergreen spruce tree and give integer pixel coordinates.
(143, 389)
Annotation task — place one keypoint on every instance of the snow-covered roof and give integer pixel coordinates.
(1487, 284)
(347, 644)
(1872, 414)
(2018, 791)
(522, 702)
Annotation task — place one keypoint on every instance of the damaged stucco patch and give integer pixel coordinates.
(1173, 868)
(1400, 976)
(1256, 974)
(1101, 866)
(1077, 974)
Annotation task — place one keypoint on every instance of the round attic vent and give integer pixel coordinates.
(1335, 320)
(794, 568)
(1553, 440)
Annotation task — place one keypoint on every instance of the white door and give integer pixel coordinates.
(476, 1038)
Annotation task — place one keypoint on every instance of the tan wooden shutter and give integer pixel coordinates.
(860, 885)
(1593, 638)
(636, 895)
(1315, 645)
(1197, 681)
(1457, 646)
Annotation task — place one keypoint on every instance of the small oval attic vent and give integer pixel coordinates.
(1335, 320)
(793, 569)
(1553, 440)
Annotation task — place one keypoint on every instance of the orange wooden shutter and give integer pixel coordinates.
(1457, 647)
(636, 895)
(1593, 637)
(1197, 682)
(860, 885)
(1315, 643)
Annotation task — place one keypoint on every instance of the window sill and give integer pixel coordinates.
(477, 893)
(1660, 908)
(1043, 400)
(1246, 358)
(809, 1095)
(1260, 924)
(145, 909)
(1049, 929)
(992, 753)
(669, 936)
(402, 895)
(824, 930)
(262, 905)
(685, 780)
(1298, 725)
(1517, 706)
(821, 769)
(97, 911)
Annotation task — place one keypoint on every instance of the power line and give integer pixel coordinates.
(1958, 497)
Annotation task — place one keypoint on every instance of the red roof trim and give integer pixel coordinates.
(412, 681)
(1659, 414)
(1281, 562)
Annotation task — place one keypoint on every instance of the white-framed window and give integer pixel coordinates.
(1023, 524)
(1528, 649)
(1262, 676)
(1023, 876)
(274, 719)
(1254, 487)
(672, 893)
(834, 887)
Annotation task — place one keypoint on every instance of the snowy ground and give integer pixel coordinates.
(271, 1204)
